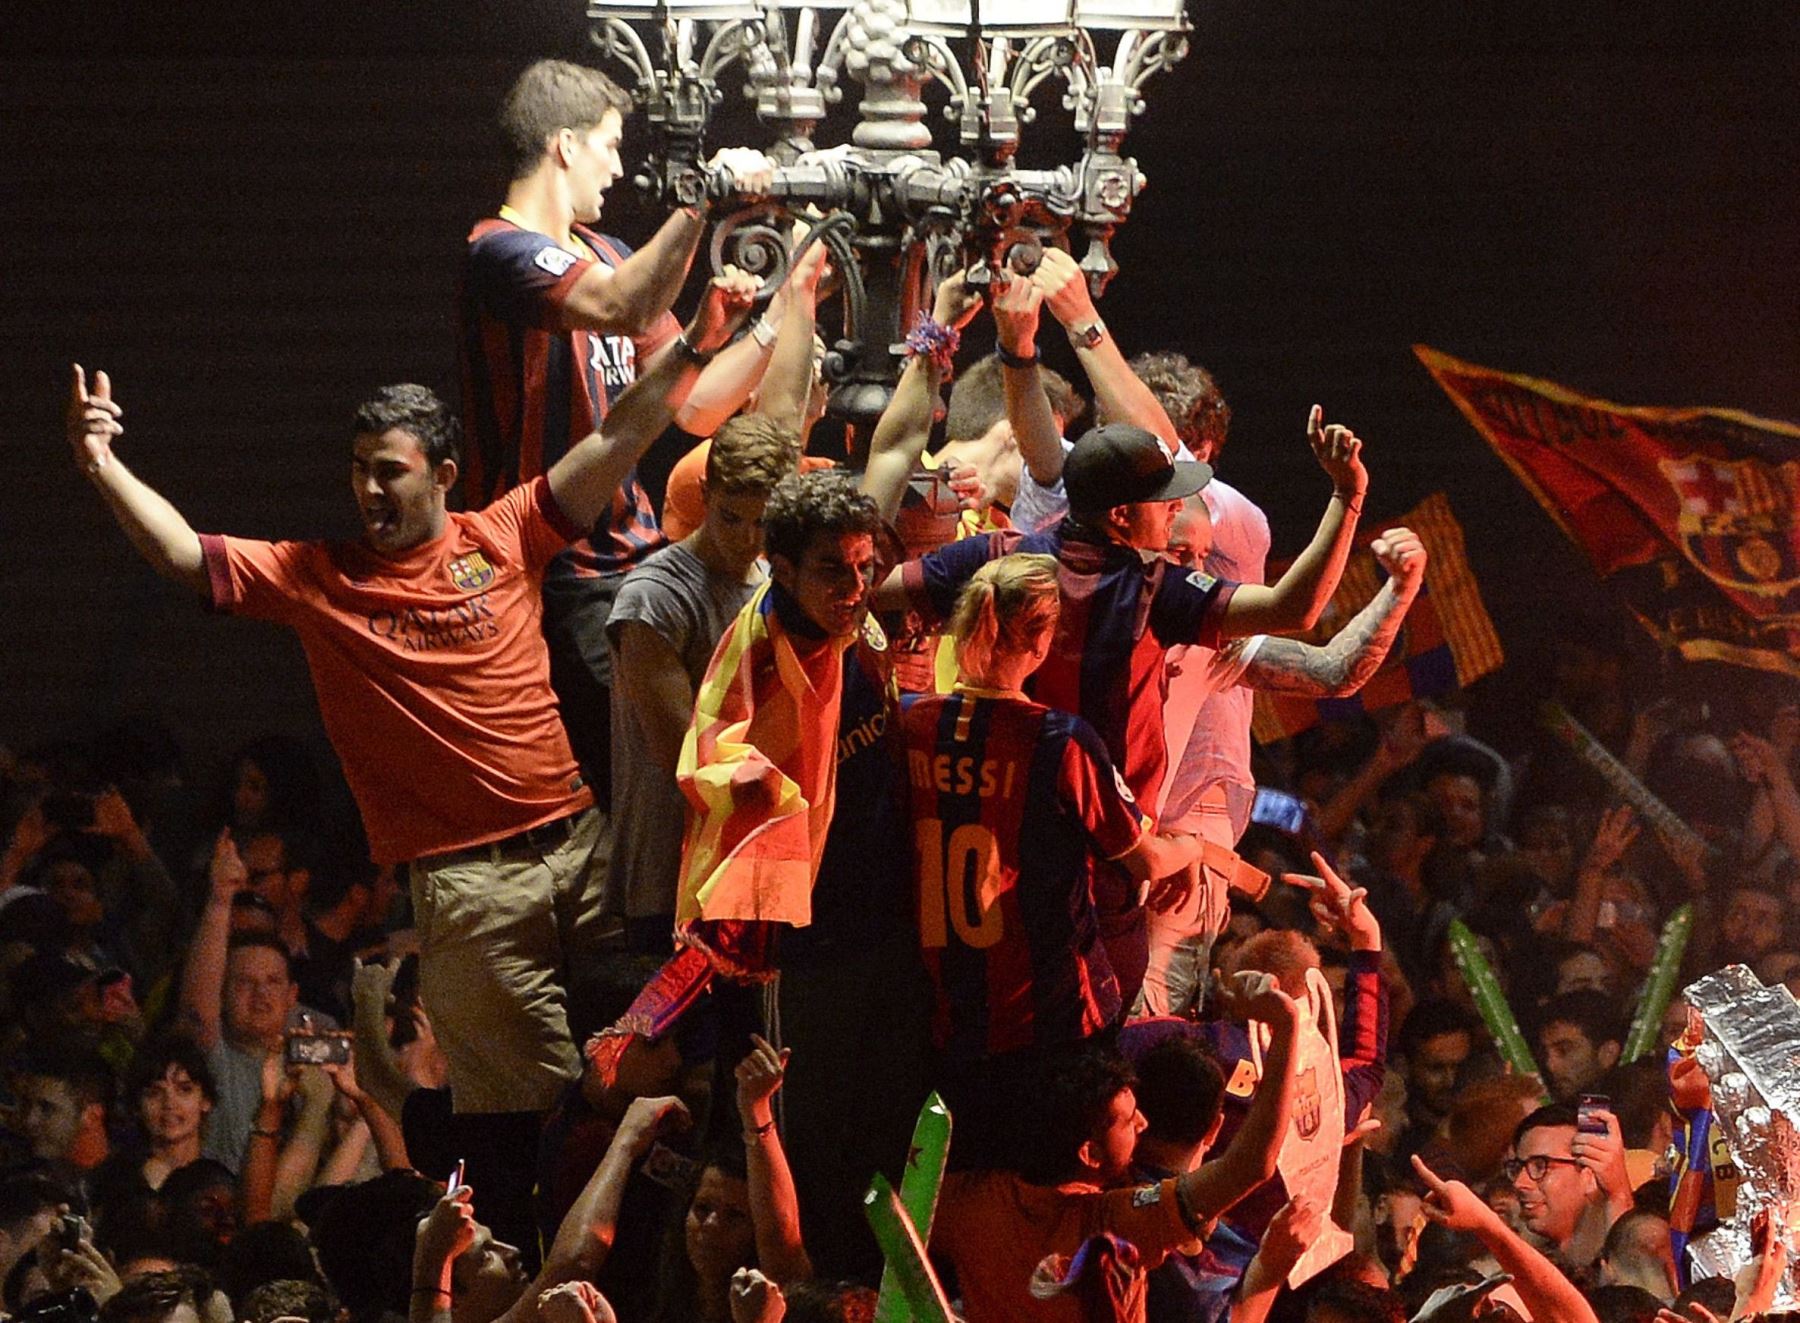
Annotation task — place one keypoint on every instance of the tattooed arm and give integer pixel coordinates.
(1346, 664)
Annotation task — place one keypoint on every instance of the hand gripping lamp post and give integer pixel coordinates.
(895, 214)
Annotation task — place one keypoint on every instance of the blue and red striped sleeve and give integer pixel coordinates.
(1097, 795)
(1362, 1045)
(933, 582)
(1189, 607)
(521, 276)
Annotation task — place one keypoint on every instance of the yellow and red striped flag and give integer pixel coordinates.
(759, 770)
(1448, 640)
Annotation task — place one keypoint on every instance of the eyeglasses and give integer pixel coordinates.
(1537, 1166)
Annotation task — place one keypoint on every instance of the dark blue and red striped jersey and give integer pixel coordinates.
(533, 386)
(1119, 617)
(1012, 802)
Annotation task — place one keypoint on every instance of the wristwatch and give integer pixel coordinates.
(1013, 360)
(1087, 334)
(698, 357)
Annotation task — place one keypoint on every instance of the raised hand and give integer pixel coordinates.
(955, 304)
(722, 308)
(648, 1118)
(1339, 452)
(1289, 1233)
(445, 1233)
(758, 1078)
(574, 1302)
(970, 491)
(1402, 555)
(1617, 830)
(1451, 1202)
(755, 1299)
(227, 870)
(1065, 288)
(752, 173)
(1016, 305)
(372, 983)
(92, 418)
(1760, 761)
(1338, 906)
(1604, 1155)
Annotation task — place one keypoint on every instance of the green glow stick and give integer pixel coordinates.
(1659, 987)
(919, 1185)
(905, 1253)
(1489, 1000)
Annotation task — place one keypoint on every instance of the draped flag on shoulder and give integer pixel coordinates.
(759, 770)
(1448, 640)
(1689, 513)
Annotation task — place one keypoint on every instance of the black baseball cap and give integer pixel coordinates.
(1119, 464)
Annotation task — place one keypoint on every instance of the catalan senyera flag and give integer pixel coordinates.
(759, 770)
(1448, 640)
(1688, 513)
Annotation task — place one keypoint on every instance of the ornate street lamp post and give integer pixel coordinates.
(897, 215)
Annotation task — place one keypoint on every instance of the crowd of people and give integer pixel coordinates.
(704, 834)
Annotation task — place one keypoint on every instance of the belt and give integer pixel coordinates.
(533, 842)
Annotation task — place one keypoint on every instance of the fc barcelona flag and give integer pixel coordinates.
(1688, 512)
(1448, 640)
(759, 770)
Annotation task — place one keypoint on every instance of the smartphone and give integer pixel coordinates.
(1588, 1118)
(307, 1048)
(1280, 810)
(68, 1231)
(670, 1169)
(456, 1175)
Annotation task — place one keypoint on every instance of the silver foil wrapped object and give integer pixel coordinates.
(1750, 1052)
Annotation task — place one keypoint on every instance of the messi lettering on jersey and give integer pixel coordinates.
(1011, 803)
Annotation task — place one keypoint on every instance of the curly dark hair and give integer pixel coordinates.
(1190, 396)
(415, 409)
(804, 505)
(1074, 1092)
(153, 1060)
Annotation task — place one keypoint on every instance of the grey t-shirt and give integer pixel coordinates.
(689, 606)
(238, 1076)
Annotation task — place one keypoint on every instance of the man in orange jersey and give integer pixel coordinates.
(433, 681)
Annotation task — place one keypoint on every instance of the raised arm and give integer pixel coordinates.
(162, 537)
(1250, 1158)
(1296, 602)
(905, 425)
(1118, 393)
(379, 1072)
(774, 1205)
(1347, 663)
(629, 299)
(584, 480)
(1017, 303)
(588, 1229)
(1541, 1285)
(787, 383)
(203, 977)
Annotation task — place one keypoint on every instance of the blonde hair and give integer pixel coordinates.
(1006, 607)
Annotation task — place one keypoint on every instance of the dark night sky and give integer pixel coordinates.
(251, 214)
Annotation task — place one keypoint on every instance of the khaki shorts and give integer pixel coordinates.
(500, 926)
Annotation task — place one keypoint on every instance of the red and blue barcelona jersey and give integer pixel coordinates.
(1012, 802)
(533, 386)
(1119, 617)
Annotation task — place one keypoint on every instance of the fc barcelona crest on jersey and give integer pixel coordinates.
(1308, 1109)
(471, 573)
